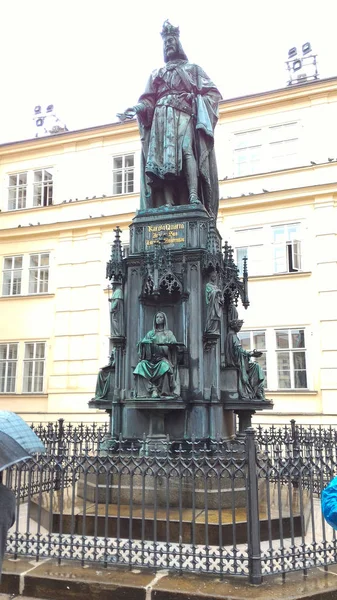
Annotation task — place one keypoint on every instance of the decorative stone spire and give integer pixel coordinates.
(234, 287)
(115, 268)
(213, 244)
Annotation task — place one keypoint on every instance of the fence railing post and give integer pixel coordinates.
(253, 517)
(60, 435)
(59, 454)
(293, 430)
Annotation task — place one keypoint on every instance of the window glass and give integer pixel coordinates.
(259, 341)
(297, 337)
(282, 339)
(245, 340)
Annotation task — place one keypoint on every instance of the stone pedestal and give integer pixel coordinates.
(160, 485)
(173, 253)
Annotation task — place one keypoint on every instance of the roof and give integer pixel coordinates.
(262, 98)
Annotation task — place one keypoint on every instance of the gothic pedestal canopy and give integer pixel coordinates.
(169, 374)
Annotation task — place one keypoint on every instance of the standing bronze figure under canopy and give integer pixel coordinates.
(177, 115)
(214, 305)
(117, 311)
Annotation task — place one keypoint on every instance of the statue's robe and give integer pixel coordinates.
(179, 107)
(116, 314)
(213, 308)
(158, 364)
(251, 376)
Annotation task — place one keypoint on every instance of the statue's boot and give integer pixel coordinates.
(193, 199)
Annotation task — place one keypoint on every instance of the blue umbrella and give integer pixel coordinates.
(13, 426)
(10, 451)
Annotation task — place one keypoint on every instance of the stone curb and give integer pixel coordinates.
(49, 581)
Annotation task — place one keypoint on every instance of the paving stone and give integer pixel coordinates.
(49, 581)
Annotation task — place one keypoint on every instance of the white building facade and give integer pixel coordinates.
(62, 196)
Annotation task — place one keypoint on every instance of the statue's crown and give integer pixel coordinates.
(169, 29)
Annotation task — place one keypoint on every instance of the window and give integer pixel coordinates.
(270, 249)
(29, 189)
(248, 244)
(12, 276)
(38, 273)
(43, 188)
(123, 174)
(254, 262)
(33, 367)
(17, 191)
(247, 152)
(287, 248)
(25, 274)
(269, 148)
(8, 362)
(283, 145)
(256, 340)
(291, 358)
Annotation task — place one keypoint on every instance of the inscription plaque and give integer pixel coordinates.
(173, 235)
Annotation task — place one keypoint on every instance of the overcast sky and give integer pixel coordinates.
(92, 59)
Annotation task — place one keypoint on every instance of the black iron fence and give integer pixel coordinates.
(71, 438)
(247, 508)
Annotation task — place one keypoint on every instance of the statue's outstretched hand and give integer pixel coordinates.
(256, 354)
(128, 114)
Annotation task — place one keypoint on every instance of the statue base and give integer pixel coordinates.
(159, 484)
(173, 252)
(155, 439)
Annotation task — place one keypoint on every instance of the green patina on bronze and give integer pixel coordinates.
(104, 379)
(250, 374)
(177, 267)
(177, 115)
(158, 359)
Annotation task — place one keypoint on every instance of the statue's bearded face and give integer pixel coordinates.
(171, 48)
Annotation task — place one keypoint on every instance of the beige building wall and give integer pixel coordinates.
(304, 194)
(77, 230)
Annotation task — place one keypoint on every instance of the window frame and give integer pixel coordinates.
(34, 361)
(27, 271)
(46, 185)
(39, 269)
(267, 142)
(29, 188)
(12, 270)
(249, 240)
(252, 262)
(18, 188)
(7, 362)
(292, 351)
(291, 249)
(239, 148)
(124, 171)
(282, 142)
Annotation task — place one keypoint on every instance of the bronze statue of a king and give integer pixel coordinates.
(177, 115)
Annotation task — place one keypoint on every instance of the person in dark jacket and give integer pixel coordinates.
(7, 517)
